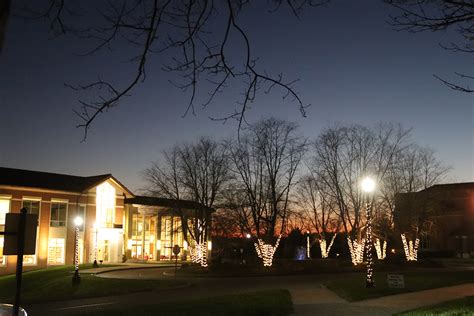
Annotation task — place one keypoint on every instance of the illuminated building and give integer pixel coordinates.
(111, 225)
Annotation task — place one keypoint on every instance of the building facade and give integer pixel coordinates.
(155, 225)
(111, 228)
(444, 215)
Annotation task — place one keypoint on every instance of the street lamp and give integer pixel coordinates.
(248, 236)
(76, 278)
(368, 187)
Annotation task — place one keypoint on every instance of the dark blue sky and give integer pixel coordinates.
(353, 69)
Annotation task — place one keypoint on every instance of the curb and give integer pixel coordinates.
(127, 268)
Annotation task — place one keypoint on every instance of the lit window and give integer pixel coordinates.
(58, 214)
(81, 212)
(4, 209)
(29, 260)
(80, 245)
(33, 207)
(56, 251)
(105, 202)
(3, 259)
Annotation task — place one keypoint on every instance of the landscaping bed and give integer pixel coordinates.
(352, 287)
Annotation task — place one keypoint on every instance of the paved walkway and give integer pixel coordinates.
(327, 303)
(127, 266)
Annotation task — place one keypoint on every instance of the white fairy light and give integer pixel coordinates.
(266, 251)
(308, 246)
(322, 244)
(198, 253)
(381, 249)
(411, 250)
(356, 250)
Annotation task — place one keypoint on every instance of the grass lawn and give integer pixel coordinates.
(460, 307)
(56, 284)
(352, 287)
(269, 302)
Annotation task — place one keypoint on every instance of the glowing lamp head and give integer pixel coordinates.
(78, 221)
(248, 236)
(368, 185)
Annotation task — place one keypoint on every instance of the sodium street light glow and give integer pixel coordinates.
(368, 185)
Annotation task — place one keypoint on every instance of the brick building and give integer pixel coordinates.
(101, 202)
(445, 213)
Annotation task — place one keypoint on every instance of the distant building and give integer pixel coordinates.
(116, 222)
(445, 215)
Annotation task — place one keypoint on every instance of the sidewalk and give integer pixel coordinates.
(408, 301)
(323, 302)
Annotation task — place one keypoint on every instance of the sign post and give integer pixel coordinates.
(20, 239)
(19, 259)
(396, 281)
(176, 251)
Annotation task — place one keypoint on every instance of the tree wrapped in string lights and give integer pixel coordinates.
(356, 250)
(198, 253)
(325, 250)
(411, 248)
(76, 278)
(266, 251)
(368, 186)
(381, 249)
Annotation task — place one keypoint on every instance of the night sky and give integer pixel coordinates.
(353, 69)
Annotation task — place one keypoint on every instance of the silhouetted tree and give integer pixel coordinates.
(440, 15)
(208, 45)
(196, 172)
(265, 161)
(318, 209)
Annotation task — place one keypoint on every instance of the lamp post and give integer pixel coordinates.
(95, 264)
(368, 187)
(76, 278)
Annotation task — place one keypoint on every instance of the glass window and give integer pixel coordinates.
(166, 242)
(56, 251)
(4, 209)
(33, 206)
(29, 260)
(3, 259)
(80, 245)
(105, 204)
(58, 214)
(81, 212)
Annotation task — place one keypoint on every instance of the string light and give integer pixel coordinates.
(198, 253)
(381, 249)
(411, 251)
(356, 250)
(266, 251)
(308, 247)
(322, 244)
